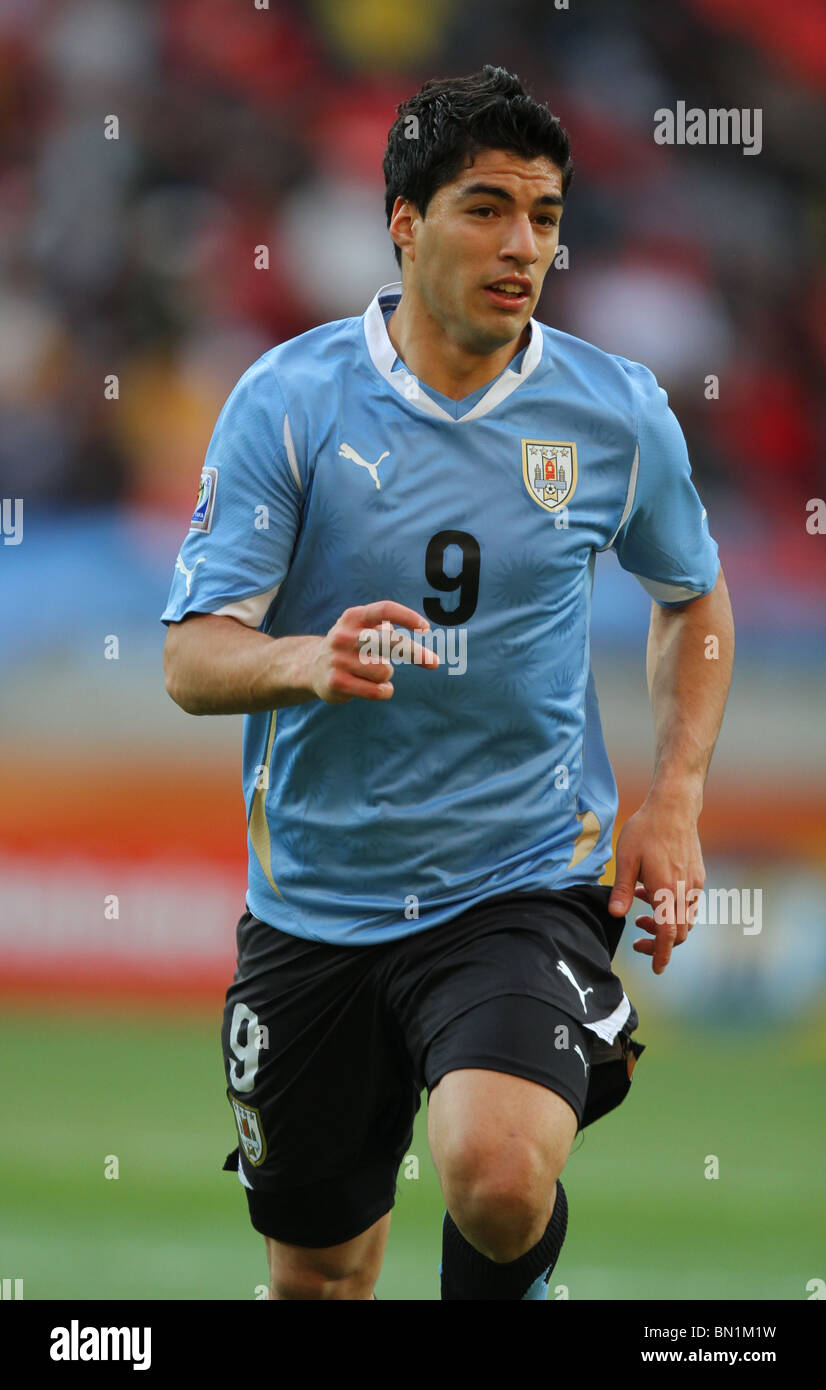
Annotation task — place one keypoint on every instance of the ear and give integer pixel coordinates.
(401, 228)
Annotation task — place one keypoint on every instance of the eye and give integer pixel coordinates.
(483, 209)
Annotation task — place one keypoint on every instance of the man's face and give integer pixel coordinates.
(498, 221)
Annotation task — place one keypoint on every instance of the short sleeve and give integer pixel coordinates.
(663, 537)
(248, 511)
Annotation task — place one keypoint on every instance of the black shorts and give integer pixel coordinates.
(327, 1048)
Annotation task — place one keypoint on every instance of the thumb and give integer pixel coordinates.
(625, 883)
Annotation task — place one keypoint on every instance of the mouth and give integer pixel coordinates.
(511, 292)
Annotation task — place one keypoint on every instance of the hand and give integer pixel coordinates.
(659, 848)
(339, 669)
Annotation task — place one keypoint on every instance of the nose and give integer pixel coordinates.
(520, 242)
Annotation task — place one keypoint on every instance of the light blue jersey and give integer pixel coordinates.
(335, 478)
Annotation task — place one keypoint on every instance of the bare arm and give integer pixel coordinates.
(217, 665)
(689, 662)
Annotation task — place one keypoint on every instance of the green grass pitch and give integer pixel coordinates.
(646, 1223)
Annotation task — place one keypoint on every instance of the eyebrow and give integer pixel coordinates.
(493, 191)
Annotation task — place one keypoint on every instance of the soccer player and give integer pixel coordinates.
(429, 816)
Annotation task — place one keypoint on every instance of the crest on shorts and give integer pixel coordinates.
(250, 1131)
(549, 472)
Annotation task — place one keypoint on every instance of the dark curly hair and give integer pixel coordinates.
(460, 116)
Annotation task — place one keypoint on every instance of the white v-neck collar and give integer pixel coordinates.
(383, 355)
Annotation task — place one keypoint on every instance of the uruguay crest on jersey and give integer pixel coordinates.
(549, 471)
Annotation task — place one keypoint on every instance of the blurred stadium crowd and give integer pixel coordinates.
(242, 126)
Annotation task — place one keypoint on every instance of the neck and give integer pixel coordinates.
(441, 361)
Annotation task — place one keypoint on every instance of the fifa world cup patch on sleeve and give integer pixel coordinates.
(205, 506)
(250, 1130)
